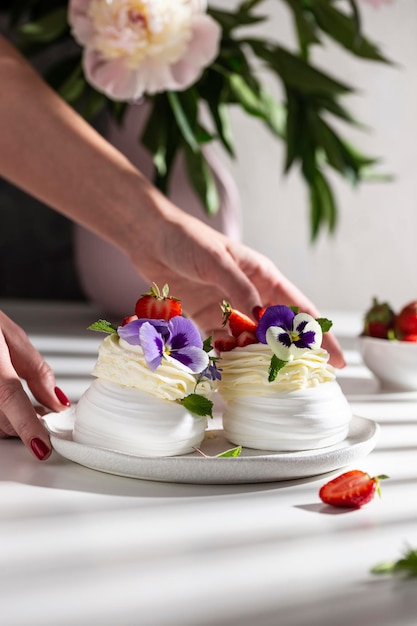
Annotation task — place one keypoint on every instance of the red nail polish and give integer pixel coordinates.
(62, 397)
(40, 449)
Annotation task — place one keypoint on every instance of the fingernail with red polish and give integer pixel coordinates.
(39, 448)
(62, 397)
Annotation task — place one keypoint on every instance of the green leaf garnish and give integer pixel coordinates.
(103, 326)
(274, 367)
(294, 309)
(406, 565)
(197, 404)
(324, 324)
(207, 344)
(229, 453)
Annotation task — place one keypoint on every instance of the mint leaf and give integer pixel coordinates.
(324, 323)
(197, 404)
(207, 344)
(103, 326)
(275, 366)
(229, 453)
(407, 565)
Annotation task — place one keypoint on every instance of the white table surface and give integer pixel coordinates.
(80, 547)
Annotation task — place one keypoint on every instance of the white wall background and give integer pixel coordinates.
(374, 251)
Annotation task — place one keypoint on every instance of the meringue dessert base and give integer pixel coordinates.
(134, 422)
(305, 419)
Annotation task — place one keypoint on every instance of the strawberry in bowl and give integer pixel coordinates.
(388, 345)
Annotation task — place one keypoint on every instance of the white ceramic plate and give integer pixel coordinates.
(252, 466)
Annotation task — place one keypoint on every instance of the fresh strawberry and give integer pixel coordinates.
(128, 319)
(258, 312)
(246, 338)
(379, 320)
(406, 320)
(352, 489)
(412, 338)
(225, 344)
(157, 305)
(238, 322)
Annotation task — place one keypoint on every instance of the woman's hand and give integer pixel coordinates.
(203, 268)
(20, 360)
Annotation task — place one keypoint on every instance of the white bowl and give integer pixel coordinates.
(392, 362)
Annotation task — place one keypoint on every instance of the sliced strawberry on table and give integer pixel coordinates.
(352, 489)
(157, 304)
(237, 321)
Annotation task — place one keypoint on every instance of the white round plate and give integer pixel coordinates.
(252, 466)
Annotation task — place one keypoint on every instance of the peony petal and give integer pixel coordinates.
(78, 19)
(111, 77)
(203, 48)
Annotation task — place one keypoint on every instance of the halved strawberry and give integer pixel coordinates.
(157, 305)
(238, 322)
(128, 319)
(246, 338)
(352, 489)
(225, 344)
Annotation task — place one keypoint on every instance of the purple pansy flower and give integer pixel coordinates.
(177, 341)
(288, 334)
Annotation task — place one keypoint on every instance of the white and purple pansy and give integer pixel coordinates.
(287, 333)
(177, 341)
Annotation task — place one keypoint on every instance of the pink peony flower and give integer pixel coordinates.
(137, 47)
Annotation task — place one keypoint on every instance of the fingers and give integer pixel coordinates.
(30, 366)
(19, 359)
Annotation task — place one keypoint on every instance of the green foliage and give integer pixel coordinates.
(103, 326)
(199, 405)
(405, 566)
(303, 121)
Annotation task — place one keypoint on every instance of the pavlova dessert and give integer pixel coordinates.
(280, 392)
(154, 380)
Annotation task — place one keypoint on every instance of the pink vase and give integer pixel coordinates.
(107, 276)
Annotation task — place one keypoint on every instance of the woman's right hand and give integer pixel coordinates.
(20, 360)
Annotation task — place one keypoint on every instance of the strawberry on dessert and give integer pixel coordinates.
(352, 489)
(241, 327)
(157, 304)
(406, 322)
(379, 320)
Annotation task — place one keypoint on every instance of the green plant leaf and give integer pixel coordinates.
(324, 324)
(103, 326)
(405, 566)
(275, 366)
(344, 29)
(197, 404)
(184, 117)
(47, 28)
(202, 179)
(233, 452)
